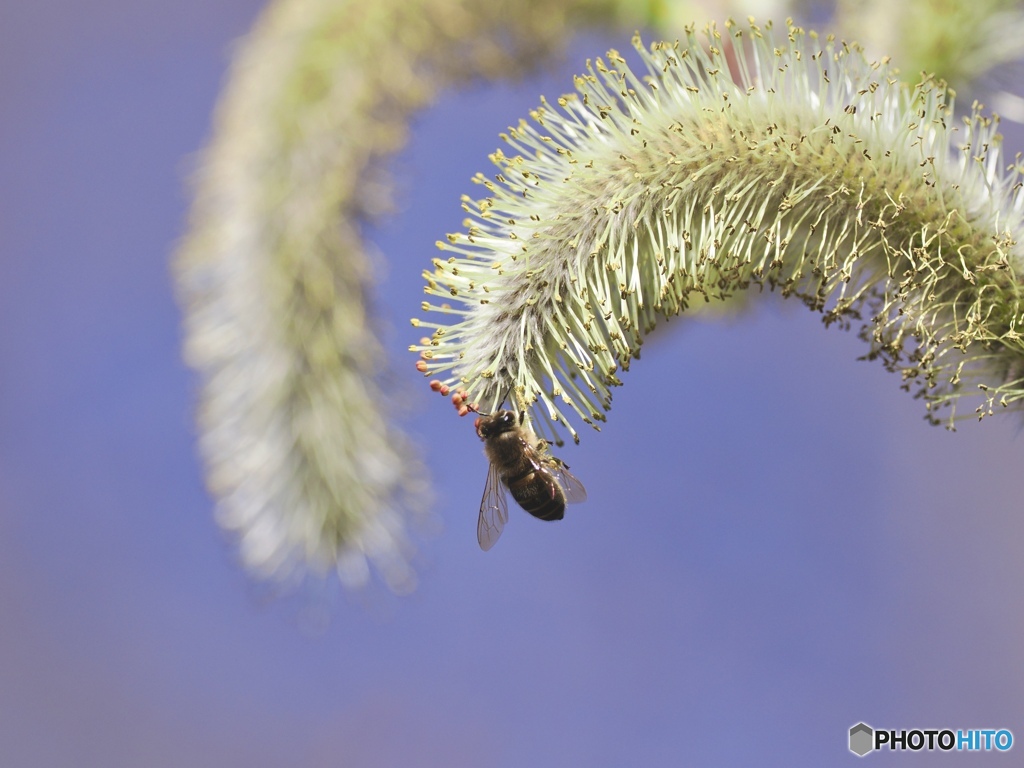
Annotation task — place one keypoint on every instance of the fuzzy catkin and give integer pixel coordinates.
(301, 458)
(754, 158)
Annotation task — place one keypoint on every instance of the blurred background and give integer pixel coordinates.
(776, 544)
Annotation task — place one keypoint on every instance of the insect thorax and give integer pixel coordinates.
(511, 451)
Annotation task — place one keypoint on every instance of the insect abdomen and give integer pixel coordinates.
(539, 494)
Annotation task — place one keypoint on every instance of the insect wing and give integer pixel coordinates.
(493, 510)
(571, 485)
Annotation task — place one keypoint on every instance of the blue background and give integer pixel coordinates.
(776, 545)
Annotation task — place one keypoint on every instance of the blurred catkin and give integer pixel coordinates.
(273, 276)
(956, 40)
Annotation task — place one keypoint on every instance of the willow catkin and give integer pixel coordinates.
(749, 159)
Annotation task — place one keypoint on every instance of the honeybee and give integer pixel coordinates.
(540, 483)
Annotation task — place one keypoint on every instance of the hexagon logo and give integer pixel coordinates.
(862, 739)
